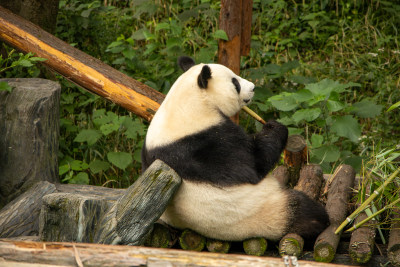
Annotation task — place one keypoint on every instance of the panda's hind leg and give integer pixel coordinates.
(308, 217)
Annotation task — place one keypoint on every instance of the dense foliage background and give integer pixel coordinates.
(329, 70)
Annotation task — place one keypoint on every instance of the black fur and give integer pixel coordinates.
(185, 63)
(223, 155)
(309, 217)
(237, 85)
(204, 76)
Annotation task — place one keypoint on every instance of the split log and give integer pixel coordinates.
(394, 239)
(80, 68)
(20, 217)
(190, 240)
(310, 180)
(107, 255)
(218, 246)
(132, 217)
(29, 132)
(110, 218)
(162, 236)
(338, 196)
(255, 246)
(295, 156)
(362, 240)
(281, 173)
(291, 245)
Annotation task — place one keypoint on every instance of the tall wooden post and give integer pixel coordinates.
(235, 20)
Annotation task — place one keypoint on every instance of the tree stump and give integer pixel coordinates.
(29, 132)
(336, 206)
(295, 156)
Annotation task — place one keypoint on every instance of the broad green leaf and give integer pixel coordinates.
(293, 131)
(220, 34)
(306, 114)
(284, 101)
(162, 26)
(137, 155)
(347, 126)
(367, 109)
(97, 166)
(25, 63)
(78, 165)
(328, 153)
(88, 135)
(316, 140)
(334, 106)
(326, 86)
(63, 169)
(303, 95)
(286, 121)
(120, 159)
(108, 128)
(5, 87)
(80, 178)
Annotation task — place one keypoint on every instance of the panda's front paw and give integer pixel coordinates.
(279, 129)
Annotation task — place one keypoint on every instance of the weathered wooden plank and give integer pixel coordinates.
(108, 255)
(84, 70)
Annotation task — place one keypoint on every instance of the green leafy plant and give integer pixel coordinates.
(331, 124)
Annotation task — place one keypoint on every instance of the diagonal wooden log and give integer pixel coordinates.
(80, 68)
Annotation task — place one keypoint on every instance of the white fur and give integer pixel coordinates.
(188, 109)
(234, 213)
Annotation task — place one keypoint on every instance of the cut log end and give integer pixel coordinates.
(324, 252)
(291, 245)
(190, 240)
(218, 246)
(255, 246)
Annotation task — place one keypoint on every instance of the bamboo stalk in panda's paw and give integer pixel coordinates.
(253, 114)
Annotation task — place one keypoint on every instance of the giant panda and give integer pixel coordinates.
(227, 192)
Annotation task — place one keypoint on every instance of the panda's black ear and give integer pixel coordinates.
(185, 62)
(204, 76)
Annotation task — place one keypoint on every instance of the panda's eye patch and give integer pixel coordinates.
(237, 85)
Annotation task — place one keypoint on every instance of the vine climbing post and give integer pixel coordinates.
(235, 20)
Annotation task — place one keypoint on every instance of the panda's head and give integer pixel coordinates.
(198, 100)
(214, 84)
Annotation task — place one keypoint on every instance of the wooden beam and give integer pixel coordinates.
(80, 68)
(73, 254)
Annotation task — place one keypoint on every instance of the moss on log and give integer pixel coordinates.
(291, 245)
(162, 236)
(255, 246)
(190, 240)
(218, 246)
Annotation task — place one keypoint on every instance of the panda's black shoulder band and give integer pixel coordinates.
(204, 76)
(185, 62)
